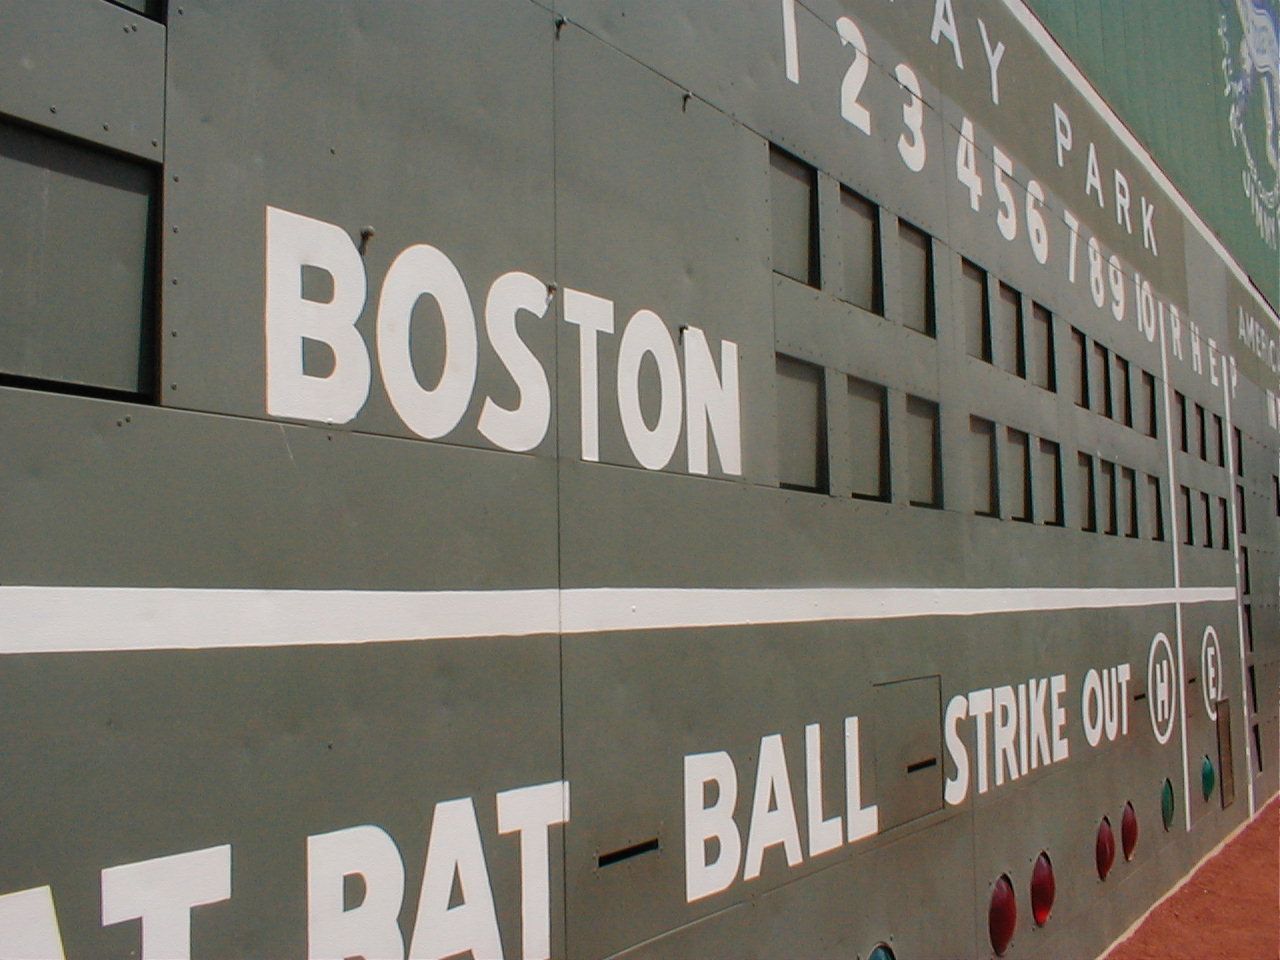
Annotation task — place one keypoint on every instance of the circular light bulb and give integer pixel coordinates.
(1104, 849)
(1002, 917)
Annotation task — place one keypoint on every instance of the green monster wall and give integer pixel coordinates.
(1183, 77)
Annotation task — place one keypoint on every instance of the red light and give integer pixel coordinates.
(1003, 915)
(1129, 831)
(1042, 889)
(1104, 850)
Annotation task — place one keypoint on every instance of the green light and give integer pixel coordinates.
(1207, 777)
(881, 952)
(1166, 804)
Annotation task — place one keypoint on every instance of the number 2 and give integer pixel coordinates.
(855, 77)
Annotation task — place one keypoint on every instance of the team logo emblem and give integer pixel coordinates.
(1248, 32)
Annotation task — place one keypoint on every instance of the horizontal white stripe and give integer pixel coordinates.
(590, 611)
(64, 619)
(71, 619)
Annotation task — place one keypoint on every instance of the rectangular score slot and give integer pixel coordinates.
(77, 268)
(908, 741)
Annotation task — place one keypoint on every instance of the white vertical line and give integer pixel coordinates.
(790, 46)
(1176, 539)
(1228, 439)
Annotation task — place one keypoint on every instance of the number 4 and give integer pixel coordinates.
(967, 164)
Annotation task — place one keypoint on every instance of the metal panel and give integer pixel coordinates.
(681, 192)
(87, 68)
(348, 504)
(349, 127)
(76, 276)
(908, 750)
(166, 751)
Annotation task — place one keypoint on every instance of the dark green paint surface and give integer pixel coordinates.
(623, 152)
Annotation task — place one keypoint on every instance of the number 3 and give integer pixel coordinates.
(912, 150)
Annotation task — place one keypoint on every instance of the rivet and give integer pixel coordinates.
(53, 109)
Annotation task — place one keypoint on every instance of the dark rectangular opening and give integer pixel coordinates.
(626, 853)
(1188, 517)
(1202, 431)
(1226, 761)
(1219, 442)
(1253, 689)
(1180, 419)
(983, 463)
(1110, 511)
(1080, 352)
(1043, 362)
(1010, 348)
(975, 310)
(1206, 507)
(1129, 497)
(869, 429)
(1102, 381)
(1048, 487)
(152, 9)
(1224, 523)
(924, 453)
(1021, 507)
(1246, 586)
(1238, 442)
(794, 215)
(922, 765)
(1248, 624)
(1086, 492)
(863, 263)
(1155, 508)
(916, 276)
(802, 426)
(1242, 522)
(1257, 749)
(1123, 387)
(1150, 418)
